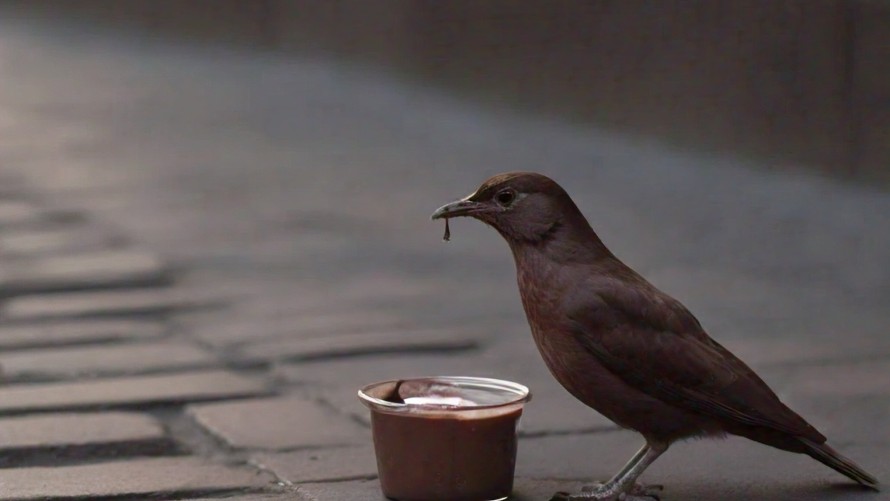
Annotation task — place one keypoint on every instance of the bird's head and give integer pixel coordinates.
(524, 207)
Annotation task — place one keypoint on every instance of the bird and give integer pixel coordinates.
(623, 347)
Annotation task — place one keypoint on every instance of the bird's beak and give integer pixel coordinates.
(462, 207)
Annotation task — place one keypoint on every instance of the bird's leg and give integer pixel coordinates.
(630, 464)
(605, 486)
(623, 481)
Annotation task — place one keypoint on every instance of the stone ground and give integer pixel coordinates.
(204, 252)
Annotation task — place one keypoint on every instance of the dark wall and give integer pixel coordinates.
(794, 81)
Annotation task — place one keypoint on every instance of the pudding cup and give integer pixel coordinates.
(445, 437)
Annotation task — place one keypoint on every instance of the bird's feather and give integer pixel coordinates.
(655, 345)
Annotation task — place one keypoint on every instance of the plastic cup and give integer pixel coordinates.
(445, 437)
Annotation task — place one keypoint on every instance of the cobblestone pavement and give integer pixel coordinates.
(204, 252)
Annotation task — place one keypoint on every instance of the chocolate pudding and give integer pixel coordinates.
(445, 438)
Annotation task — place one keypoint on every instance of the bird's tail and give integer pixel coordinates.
(833, 459)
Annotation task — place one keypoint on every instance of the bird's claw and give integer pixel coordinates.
(594, 487)
(646, 491)
(596, 492)
(623, 496)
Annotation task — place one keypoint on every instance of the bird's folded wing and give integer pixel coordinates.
(655, 345)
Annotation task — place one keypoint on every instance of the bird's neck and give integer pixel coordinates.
(567, 241)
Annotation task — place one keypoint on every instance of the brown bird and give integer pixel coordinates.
(623, 347)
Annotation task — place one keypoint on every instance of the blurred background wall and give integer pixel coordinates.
(794, 82)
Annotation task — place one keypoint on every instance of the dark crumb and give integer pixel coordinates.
(447, 236)
(394, 396)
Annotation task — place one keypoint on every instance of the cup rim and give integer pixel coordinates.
(523, 394)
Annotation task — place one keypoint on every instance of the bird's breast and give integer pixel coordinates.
(542, 290)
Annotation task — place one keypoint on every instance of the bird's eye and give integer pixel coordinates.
(505, 197)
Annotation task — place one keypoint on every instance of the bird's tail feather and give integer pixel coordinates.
(833, 459)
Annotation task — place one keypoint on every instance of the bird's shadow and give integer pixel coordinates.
(847, 488)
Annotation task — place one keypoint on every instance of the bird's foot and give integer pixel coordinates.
(641, 491)
(604, 492)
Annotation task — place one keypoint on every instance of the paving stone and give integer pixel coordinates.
(99, 304)
(536, 489)
(850, 380)
(70, 332)
(146, 477)
(119, 358)
(843, 400)
(320, 465)
(357, 372)
(12, 185)
(553, 410)
(385, 287)
(340, 345)
(276, 300)
(278, 423)
(319, 295)
(238, 328)
(767, 352)
(247, 302)
(358, 490)
(74, 429)
(126, 391)
(84, 271)
(845, 421)
(17, 212)
(344, 399)
(44, 242)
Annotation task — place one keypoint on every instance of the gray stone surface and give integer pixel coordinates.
(278, 423)
(146, 477)
(67, 332)
(18, 212)
(320, 465)
(96, 304)
(536, 489)
(128, 358)
(75, 429)
(338, 345)
(735, 468)
(294, 186)
(863, 379)
(771, 352)
(239, 327)
(358, 490)
(141, 390)
(357, 372)
(54, 241)
(845, 421)
(594, 456)
(108, 268)
(848, 402)
(278, 299)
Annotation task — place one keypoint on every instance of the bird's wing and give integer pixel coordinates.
(654, 344)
